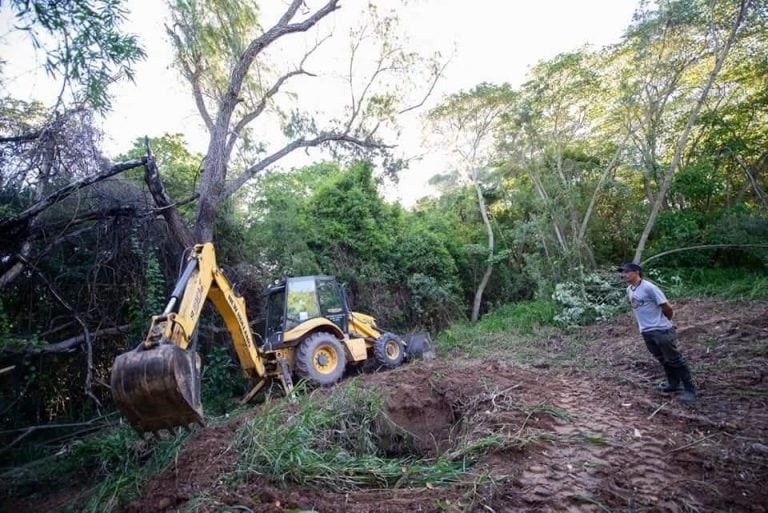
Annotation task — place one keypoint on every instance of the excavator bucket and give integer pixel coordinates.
(418, 346)
(158, 388)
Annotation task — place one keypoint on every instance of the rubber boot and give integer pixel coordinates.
(688, 396)
(673, 381)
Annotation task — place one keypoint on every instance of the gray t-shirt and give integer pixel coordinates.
(645, 300)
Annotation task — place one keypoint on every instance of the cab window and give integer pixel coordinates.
(330, 299)
(275, 305)
(302, 301)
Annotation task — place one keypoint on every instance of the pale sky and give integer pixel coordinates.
(490, 41)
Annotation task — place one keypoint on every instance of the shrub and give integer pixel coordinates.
(597, 296)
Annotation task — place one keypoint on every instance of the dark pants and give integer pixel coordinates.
(663, 346)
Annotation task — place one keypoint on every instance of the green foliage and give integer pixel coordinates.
(212, 36)
(731, 283)
(743, 231)
(351, 214)
(698, 184)
(89, 48)
(506, 329)
(115, 462)
(278, 232)
(149, 297)
(5, 324)
(595, 297)
(10, 341)
(433, 304)
(526, 316)
(179, 168)
(221, 380)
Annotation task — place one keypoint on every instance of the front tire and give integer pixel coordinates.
(320, 359)
(389, 350)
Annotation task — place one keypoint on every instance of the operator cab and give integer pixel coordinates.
(293, 301)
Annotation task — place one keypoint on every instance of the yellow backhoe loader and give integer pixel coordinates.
(310, 333)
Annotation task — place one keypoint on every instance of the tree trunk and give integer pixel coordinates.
(164, 203)
(489, 266)
(681, 143)
(539, 186)
(582, 235)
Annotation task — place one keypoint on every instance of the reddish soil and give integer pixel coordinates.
(588, 435)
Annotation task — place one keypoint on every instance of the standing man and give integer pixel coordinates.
(654, 318)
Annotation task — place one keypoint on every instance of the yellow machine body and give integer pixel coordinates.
(157, 385)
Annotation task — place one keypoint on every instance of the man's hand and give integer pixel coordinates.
(666, 309)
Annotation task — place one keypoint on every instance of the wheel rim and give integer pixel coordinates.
(325, 359)
(392, 350)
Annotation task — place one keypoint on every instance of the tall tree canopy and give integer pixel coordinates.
(224, 53)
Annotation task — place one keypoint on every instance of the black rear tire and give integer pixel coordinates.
(320, 359)
(389, 350)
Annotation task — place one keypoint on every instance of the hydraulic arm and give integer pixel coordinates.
(157, 385)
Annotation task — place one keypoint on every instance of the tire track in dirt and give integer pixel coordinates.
(607, 454)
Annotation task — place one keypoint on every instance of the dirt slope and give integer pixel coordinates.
(590, 436)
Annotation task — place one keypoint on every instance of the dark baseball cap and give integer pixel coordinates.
(630, 266)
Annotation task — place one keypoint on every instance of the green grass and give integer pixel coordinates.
(508, 328)
(552, 411)
(522, 317)
(511, 330)
(341, 442)
(114, 464)
(589, 438)
(728, 283)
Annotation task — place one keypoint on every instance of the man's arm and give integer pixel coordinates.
(666, 309)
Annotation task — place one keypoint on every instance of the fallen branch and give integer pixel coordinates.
(13, 223)
(73, 343)
(21, 138)
(165, 205)
(700, 419)
(694, 443)
(25, 432)
(83, 325)
(657, 410)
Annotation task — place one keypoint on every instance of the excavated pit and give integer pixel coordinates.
(438, 410)
(591, 436)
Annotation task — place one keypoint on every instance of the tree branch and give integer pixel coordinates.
(8, 224)
(703, 246)
(72, 343)
(256, 112)
(25, 432)
(164, 203)
(281, 29)
(86, 333)
(437, 77)
(249, 173)
(21, 138)
(194, 78)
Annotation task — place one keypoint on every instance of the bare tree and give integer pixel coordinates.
(468, 121)
(720, 54)
(224, 55)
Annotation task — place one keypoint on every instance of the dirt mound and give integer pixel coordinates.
(587, 435)
(599, 439)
